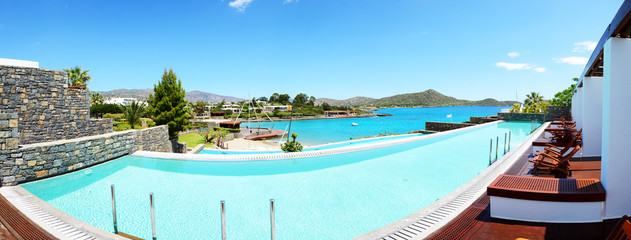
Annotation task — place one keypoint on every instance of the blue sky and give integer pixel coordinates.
(326, 48)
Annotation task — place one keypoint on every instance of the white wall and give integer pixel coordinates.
(616, 131)
(18, 63)
(579, 108)
(545, 211)
(574, 106)
(592, 116)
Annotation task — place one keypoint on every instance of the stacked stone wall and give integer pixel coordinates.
(480, 120)
(442, 126)
(9, 135)
(36, 161)
(539, 117)
(47, 109)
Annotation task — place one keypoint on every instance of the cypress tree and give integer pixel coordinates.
(167, 104)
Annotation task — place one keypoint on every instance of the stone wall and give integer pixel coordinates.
(154, 139)
(47, 109)
(540, 117)
(480, 120)
(442, 126)
(559, 111)
(9, 135)
(35, 161)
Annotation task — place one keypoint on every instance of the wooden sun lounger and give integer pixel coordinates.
(554, 164)
(622, 231)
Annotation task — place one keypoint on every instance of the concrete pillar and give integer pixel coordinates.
(592, 116)
(579, 108)
(574, 104)
(616, 130)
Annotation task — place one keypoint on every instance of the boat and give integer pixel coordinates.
(354, 124)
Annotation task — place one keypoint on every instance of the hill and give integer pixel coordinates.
(143, 94)
(429, 98)
(356, 101)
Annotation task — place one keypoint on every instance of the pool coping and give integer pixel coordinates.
(424, 222)
(320, 145)
(54, 221)
(315, 153)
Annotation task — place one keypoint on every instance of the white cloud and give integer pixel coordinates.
(240, 5)
(572, 60)
(514, 66)
(540, 69)
(580, 47)
(289, 1)
(513, 54)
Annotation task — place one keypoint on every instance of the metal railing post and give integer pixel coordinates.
(153, 218)
(509, 138)
(505, 136)
(491, 152)
(273, 224)
(223, 220)
(114, 211)
(497, 144)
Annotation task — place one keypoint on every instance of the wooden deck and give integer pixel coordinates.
(275, 134)
(14, 225)
(476, 222)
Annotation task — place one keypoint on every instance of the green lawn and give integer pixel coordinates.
(193, 139)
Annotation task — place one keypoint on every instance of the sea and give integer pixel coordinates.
(402, 121)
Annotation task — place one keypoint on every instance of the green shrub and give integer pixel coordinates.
(149, 121)
(293, 145)
(122, 127)
(114, 116)
(101, 109)
(231, 130)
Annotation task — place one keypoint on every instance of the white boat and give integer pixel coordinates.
(354, 124)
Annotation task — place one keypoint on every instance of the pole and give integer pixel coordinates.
(114, 210)
(153, 217)
(490, 152)
(509, 138)
(223, 220)
(273, 225)
(291, 117)
(505, 134)
(497, 142)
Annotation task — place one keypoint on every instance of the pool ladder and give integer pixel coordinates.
(507, 140)
(153, 218)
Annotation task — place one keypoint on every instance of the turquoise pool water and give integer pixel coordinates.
(319, 147)
(404, 120)
(328, 197)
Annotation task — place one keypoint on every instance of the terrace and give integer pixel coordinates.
(543, 207)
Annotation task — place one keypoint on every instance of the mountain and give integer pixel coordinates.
(140, 94)
(143, 94)
(194, 96)
(356, 101)
(429, 98)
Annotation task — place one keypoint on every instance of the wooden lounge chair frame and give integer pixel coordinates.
(622, 230)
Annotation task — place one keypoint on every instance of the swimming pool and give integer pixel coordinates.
(319, 147)
(333, 197)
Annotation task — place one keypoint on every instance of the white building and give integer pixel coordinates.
(123, 101)
(18, 63)
(274, 108)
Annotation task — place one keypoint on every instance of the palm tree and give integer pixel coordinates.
(533, 98)
(76, 76)
(96, 98)
(133, 112)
